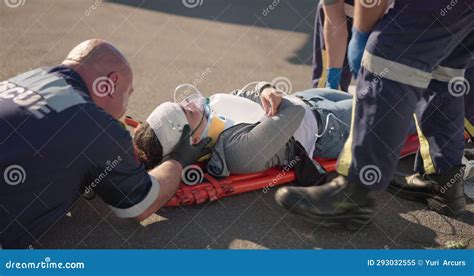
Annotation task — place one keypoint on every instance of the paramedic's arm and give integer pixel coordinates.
(365, 18)
(123, 183)
(335, 32)
(168, 174)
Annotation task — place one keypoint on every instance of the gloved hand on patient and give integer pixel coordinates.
(185, 152)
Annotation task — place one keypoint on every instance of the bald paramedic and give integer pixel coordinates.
(59, 136)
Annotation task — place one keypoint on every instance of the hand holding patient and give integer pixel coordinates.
(185, 153)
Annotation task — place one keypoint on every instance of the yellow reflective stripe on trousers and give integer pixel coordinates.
(323, 79)
(345, 158)
(469, 127)
(445, 74)
(424, 150)
(396, 71)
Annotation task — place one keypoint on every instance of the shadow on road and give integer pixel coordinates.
(293, 16)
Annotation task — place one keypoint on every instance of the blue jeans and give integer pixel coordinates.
(334, 108)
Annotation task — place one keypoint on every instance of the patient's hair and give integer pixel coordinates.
(149, 149)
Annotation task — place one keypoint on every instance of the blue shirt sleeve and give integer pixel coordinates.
(116, 174)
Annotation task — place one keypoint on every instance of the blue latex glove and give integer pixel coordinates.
(355, 50)
(333, 77)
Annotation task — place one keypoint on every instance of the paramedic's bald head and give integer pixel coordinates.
(106, 73)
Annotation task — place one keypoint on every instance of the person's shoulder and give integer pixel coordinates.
(71, 77)
(106, 122)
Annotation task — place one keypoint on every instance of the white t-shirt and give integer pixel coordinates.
(243, 110)
(306, 132)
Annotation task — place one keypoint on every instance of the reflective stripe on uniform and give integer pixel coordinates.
(424, 150)
(345, 158)
(469, 127)
(58, 94)
(141, 207)
(396, 71)
(445, 74)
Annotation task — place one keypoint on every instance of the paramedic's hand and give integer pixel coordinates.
(271, 99)
(185, 153)
(356, 49)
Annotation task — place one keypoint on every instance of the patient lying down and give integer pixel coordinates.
(247, 136)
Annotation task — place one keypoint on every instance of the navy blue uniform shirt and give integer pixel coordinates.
(54, 143)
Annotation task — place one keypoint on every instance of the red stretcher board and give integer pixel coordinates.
(212, 189)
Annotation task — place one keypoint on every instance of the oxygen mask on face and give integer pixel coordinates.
(189, 97)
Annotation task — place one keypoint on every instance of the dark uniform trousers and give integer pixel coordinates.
(414, 66)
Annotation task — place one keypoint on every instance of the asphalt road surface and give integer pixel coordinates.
(219, 46)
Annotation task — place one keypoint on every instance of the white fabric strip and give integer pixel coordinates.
(396, 71)
(139, 208)
(445, 74)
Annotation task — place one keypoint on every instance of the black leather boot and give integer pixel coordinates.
(469, 153)
(444, 193)
(336, 203)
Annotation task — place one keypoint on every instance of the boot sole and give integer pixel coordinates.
(409, 195)
(438, 204)
(352, 221)
(454, 208)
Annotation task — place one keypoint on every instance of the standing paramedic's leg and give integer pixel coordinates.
(335, 36)
(469, 114)
(441, 132)
(469, 101)
(331, 33)
(319, 54)
(401, 54)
